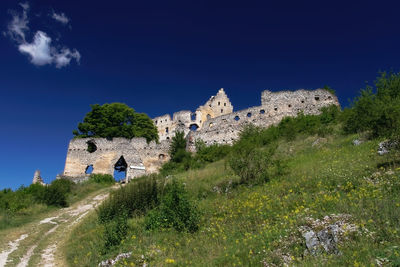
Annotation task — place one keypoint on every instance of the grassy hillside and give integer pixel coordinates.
(261, 224)
(299, 193)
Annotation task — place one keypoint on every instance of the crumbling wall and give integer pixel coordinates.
(274, 107)
(140, 156)
(186, 120)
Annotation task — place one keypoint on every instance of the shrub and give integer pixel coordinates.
(115, 231)
(175, 211)
(135, 198)
(55, 194)
(250, 163)
(210, 153)
(102, 178)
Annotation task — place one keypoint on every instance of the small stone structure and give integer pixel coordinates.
(37, 179)
(214, 123)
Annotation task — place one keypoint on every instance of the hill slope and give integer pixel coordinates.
(330, 186)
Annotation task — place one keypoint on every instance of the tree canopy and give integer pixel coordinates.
(116, 120)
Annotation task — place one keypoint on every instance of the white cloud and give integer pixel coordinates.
(19, 24)
(64, 57)
(60, 18)
(41, 50)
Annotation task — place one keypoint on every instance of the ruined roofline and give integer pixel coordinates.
(297, 90)
(221, 91)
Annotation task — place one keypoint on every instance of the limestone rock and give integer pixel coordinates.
(357, 142)
(385, 147)
(112, 262)
(325, 235)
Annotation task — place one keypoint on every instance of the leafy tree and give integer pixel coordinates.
(376, 111)
(116, 120)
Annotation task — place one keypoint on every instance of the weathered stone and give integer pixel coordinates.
(325, 235)
(385, 147)
(312, 241)
(112, 262)
(140, 157)
(357, 142)
(37, 179)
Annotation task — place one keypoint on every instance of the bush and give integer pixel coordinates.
(251, 163)
(135, 198)
(175, 211)
(55, 194)
(211, 153)
(102, 178)
(115, 231)
(376, 111)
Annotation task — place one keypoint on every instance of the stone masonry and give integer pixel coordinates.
(214, 123)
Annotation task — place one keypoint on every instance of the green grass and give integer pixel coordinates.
(253, 225)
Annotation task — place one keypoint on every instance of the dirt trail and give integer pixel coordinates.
(39, 242)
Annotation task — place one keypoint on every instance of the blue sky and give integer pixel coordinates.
(159, 57)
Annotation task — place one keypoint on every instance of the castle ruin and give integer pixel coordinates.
(214, 123)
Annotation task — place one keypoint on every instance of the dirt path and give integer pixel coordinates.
(37, 243)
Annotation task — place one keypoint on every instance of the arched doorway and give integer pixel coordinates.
(120, 168)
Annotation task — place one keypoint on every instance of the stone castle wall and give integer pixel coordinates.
(215, 123)
(140, 156)
(274, 107)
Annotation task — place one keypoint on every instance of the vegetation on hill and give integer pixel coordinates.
(116, 120)
(26, 203)
(249, 204)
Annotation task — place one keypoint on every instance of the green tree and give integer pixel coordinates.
(177, 149)
(376, 111)
(116, 120)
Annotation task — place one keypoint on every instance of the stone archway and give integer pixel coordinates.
(120, 169)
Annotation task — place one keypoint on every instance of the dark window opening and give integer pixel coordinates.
(302, 101)
(237, 118)
(316, 98)
(208, 116)
(329, 97)
(155, 122)
(167, 138)
(166, 130)
(193, 116)
(91, 146)
(222, 111)
(161, 156)
(249, 114)
(89, 169)
(262, 111)
(193, 127)
(289, 106)
(224, 104)
(219, 103)
(276, 109)
(120, 168)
